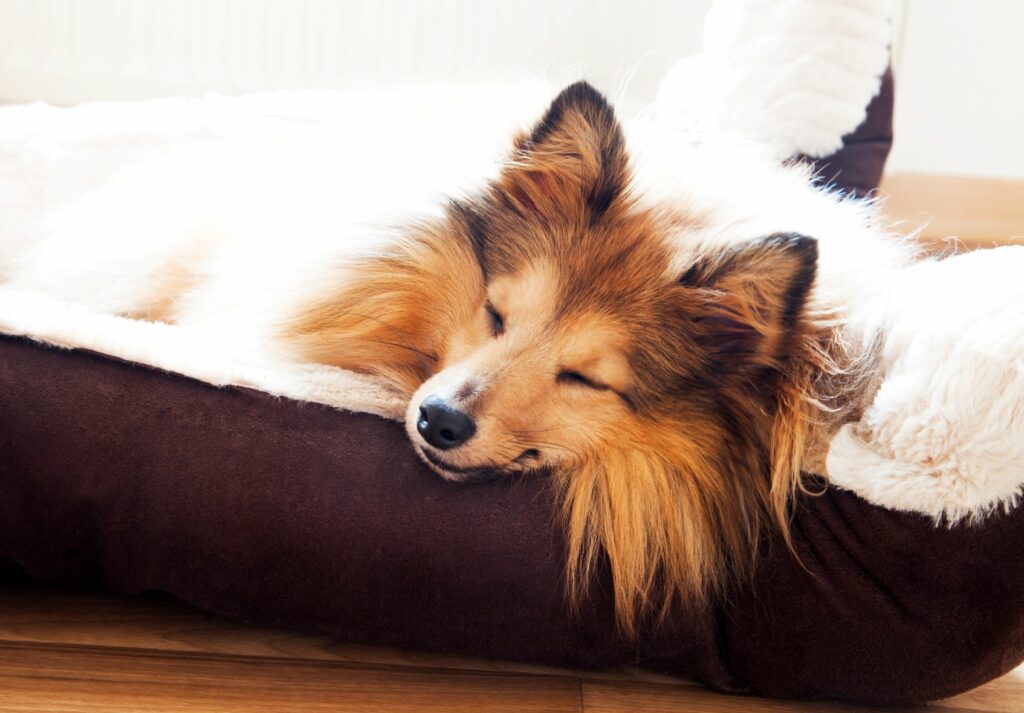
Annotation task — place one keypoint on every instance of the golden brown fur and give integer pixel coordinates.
(672, 409)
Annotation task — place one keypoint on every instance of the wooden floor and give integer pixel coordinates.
(955, 212)
(67, 650)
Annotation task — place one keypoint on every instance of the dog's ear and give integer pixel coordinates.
(744, 302)
(572, 163)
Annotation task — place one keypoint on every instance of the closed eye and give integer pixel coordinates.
(496, 320)
(574, 377)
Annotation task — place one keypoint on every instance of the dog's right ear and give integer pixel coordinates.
(747, 300)
(573, 162)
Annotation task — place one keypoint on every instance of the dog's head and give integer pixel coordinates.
(590, 340)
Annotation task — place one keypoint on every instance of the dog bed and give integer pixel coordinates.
(293, 514)
(297, 515)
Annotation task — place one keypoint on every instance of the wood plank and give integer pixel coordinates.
(950, 210)
(618, 697)
(32, 612)
(1004, 695)
(38, 617)
(56, 679)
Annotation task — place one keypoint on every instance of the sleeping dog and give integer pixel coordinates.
(673, 329)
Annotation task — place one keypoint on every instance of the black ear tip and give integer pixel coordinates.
(583, 99)
(582, 96)
(583, 91)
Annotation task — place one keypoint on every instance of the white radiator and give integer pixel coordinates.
(70, 51)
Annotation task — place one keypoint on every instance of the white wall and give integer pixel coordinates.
(959, 69)
(959, 63)
(69, 51)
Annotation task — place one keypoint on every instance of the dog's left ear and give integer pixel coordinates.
(745, 302)
(572, 163)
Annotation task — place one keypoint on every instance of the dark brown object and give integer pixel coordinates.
(857, 167)
(295, 515)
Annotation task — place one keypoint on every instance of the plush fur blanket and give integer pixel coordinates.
(795, 75)
(944, 433)
(148, 171)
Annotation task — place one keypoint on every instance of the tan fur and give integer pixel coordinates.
(683, 440)
(396, 312)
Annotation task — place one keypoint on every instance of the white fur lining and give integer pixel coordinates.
(795, 75)
(277, 189)
(944, 434)
(192, 352)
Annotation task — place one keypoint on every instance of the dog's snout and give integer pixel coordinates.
(442, 425)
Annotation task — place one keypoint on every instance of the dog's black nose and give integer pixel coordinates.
(442, 425)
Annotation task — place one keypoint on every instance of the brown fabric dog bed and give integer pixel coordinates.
(295, 515)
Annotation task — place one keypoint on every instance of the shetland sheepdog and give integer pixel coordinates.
(661, 324)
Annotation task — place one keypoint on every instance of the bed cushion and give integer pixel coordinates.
(296, 515)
